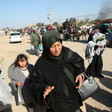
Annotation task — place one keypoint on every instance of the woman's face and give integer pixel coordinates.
(22, 63)
(56, 48)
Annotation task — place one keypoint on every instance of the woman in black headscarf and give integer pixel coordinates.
(50, 81)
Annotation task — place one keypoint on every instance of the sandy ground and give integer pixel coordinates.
(100, 102)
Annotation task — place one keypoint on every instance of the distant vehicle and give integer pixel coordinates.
(1, 31)
(109, 37)
(15, 37)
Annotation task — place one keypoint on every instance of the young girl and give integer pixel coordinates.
(19, 72)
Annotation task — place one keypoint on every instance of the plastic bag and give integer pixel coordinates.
(32, 49)
(40, 47)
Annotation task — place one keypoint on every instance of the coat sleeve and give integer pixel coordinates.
(11, 76)
(37, 84)
(76, 61)
(89, 50)
(15, 74)
(79, 65)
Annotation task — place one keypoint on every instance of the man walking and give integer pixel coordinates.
(35, 40)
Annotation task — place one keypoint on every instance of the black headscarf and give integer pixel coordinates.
(48, 39)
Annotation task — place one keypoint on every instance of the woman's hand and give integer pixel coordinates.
(80, 80)
(48, 89)
(19, 83)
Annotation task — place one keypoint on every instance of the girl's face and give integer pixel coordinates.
(22, 63)
(56, 48)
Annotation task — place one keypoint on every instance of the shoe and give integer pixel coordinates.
(100, 76)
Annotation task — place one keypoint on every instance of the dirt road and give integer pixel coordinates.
(100, 102)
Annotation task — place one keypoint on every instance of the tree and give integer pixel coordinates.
(81, 23)
(72, 21)
(87, 20)
(91, 22)
(55, 24)
(7, 28)
(40, 24)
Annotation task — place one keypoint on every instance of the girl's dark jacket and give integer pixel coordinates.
(48, 71)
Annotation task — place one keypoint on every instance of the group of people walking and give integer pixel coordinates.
(45, 87)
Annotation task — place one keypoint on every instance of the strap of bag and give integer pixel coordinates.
(69, 75)
(85, 75)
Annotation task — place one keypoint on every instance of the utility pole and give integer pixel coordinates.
(59, 19)
(77, 20)
(49, 16)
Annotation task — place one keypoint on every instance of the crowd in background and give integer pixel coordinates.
(55, 55)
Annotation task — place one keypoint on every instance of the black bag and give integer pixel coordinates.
(88, 88)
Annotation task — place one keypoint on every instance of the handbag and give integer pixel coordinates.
(89, 85)
(88, 88)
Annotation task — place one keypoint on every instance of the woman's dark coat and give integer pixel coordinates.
(49, 71)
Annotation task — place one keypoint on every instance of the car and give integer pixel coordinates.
(15, 37)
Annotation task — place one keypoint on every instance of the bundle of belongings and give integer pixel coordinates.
(95, 46)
